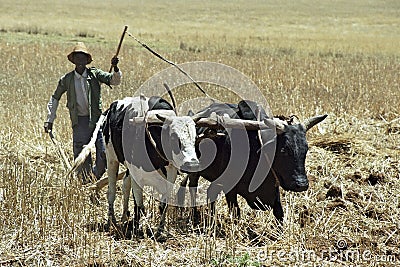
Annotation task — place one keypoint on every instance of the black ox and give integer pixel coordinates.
(250, 163)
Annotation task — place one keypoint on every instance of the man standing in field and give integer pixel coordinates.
(83, 89)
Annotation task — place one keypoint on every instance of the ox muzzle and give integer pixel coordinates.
(190, 166)
(296, 183)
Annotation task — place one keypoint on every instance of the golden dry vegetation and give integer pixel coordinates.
(335, 57)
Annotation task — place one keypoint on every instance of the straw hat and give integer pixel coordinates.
(79, 47)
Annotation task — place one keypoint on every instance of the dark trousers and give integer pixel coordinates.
(82, 134)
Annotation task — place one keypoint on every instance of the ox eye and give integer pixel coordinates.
(284, 151)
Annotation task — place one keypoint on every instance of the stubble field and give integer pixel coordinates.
(338, 57)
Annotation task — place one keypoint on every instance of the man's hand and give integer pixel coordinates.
(114, 63)
(48, 127)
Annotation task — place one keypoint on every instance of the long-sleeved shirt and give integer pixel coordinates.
(83, 94)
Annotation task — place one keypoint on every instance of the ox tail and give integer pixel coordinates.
(90, 146)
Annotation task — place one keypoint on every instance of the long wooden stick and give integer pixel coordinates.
(67, 165)
(120, 43)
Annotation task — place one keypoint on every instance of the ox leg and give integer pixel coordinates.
(172, 172)
(212, 194)
(112, 172)
(231, 199)
(180, 196)
(277, 208)
(126, 189)
(137, 192)
(193, 184)
(193, 180)
(127, 225)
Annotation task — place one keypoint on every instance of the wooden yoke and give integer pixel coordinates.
(220, 122)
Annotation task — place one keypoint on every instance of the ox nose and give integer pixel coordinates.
(301, 185)
(297, 184)
(191, 166)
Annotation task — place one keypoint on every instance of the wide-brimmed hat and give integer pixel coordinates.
(79, 47)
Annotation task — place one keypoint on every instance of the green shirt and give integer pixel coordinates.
(67, 84)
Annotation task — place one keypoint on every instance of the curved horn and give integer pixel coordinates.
(310, 122)
(201, 114)
(172, 97)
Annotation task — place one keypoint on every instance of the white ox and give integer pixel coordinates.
(153, 142)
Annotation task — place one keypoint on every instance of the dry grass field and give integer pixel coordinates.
(307, 57)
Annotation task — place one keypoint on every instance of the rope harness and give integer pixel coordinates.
(154, 144)
(292, 119)
(171, 63)
(258, 115)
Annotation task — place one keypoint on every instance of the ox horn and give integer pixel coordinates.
(310, 122)
(202, 114)
(172, 98)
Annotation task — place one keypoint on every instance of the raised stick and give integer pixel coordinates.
(120, 43)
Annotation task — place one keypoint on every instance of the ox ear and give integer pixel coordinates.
(310, 122)
(190, 113)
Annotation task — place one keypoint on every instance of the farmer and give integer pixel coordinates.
(82, 86)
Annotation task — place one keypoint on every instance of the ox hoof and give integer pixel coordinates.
(94, 199)
(127, 229)
(125, 218)
(195, 217)
(139, 233)
(160, 237)
(111, 223)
